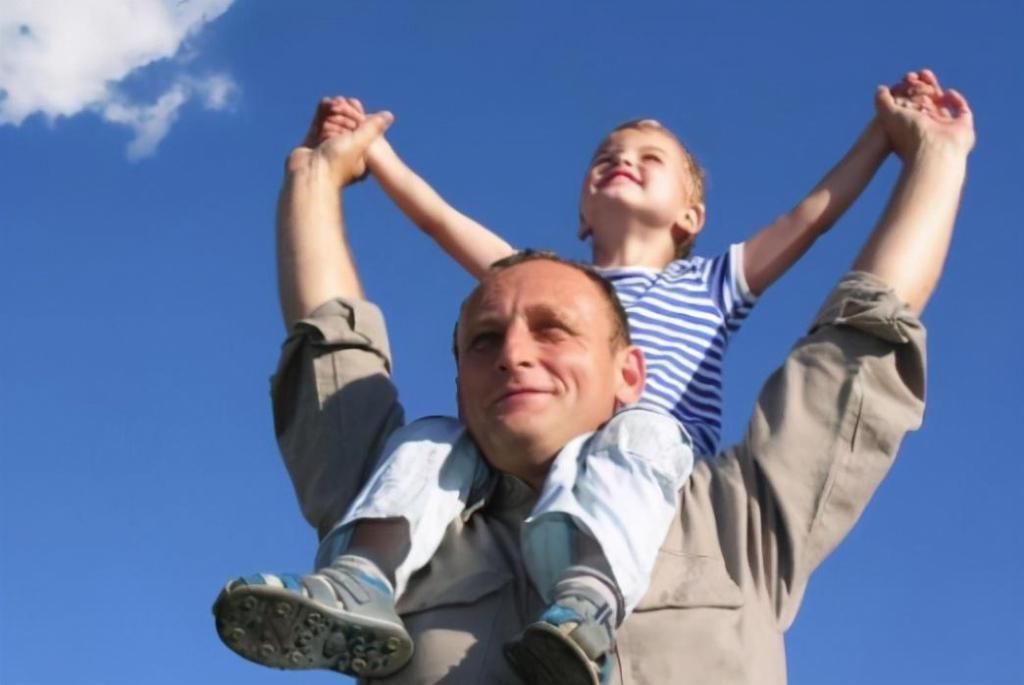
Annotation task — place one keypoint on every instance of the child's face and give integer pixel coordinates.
(640, 172)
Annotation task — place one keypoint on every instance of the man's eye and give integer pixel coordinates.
(552, 332)
(484, 341)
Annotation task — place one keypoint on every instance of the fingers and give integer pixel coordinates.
(884, 99)
(928, 76)
(959, 102)
(337, 114)
(922, 84)
(372, 128)
(921, 91)
(334, 115)
(346, 112)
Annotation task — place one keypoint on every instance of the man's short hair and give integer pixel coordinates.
(620, 322)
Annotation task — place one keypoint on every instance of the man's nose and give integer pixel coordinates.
(518, 348)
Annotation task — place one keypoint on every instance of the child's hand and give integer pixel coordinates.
(917, 112)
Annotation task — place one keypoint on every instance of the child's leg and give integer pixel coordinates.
(424, 481)
(593, 538)
(342, 617)
(385, 543)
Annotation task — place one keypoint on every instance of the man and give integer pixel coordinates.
(754, 522)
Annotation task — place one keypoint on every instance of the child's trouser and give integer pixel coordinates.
(618, 485)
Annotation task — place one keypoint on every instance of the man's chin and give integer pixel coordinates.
(530, 434)
(520, 428)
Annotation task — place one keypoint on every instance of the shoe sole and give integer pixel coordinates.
(281, 629)
(544, 656)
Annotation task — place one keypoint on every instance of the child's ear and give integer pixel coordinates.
(584, 231)
(691, 219)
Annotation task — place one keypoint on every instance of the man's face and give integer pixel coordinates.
(538, 366)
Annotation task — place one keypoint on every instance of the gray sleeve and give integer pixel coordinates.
(825, 431)
(334, 405)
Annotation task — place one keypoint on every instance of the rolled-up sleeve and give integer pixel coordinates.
(826, 429)
(334, 405)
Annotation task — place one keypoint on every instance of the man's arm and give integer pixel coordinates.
(776, 247)
(933, 132)
(314, 264)
(825, 431)
(334, 403)
(829, 422)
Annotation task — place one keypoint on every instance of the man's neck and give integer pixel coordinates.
(528, 463)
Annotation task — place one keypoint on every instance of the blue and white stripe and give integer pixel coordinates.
(682, 318)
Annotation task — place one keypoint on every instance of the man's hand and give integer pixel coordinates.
(338, 137)
(917, 113)
(346, 114)
(334, 116)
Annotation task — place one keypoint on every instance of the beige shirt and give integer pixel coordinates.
(753, 522)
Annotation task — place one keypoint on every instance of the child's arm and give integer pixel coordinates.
(473, 246)
(776, 247)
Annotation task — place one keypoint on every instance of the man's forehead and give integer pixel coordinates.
(538, 283)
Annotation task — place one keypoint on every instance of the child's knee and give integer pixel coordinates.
(654, 438)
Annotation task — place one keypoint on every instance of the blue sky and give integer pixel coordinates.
(142, 155)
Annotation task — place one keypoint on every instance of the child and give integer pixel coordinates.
(642, 205)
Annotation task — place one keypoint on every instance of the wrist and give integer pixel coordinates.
(311, 166)
(373, 158)
(298, 160)
(875, 137)
(379, 154)
(945, 152)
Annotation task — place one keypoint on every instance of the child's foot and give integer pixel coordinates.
(572, 644)
(339, 618)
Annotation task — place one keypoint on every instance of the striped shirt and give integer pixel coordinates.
(682, 318)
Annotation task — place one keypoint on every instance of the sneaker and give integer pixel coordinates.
(338, 619)
(572, 644)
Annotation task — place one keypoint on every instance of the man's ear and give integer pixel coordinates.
(632, 371)
(689, 222)
(458, 398)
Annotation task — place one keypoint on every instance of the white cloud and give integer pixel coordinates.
(62, 58)
(150, 123)
(216, 90)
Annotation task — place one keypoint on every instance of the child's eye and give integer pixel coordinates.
(651, 157)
